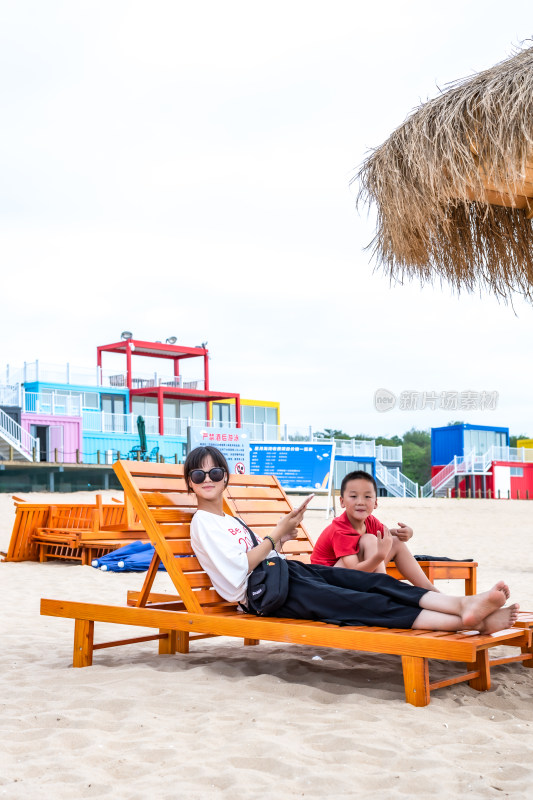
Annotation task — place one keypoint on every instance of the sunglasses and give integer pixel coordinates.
(199, 475)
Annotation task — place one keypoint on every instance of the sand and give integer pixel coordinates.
(272, 721)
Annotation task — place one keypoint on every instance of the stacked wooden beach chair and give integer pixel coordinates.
(76, 532)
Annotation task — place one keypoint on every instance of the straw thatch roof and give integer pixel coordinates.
(454, 184)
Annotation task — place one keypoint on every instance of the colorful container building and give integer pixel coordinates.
(63, 414)
(477, 461)
(71, 415)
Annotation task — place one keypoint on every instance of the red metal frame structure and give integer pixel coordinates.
(131, 347)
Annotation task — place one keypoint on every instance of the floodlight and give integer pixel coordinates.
(172, 340)
(126, 335)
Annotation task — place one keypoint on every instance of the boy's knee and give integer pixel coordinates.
(367, 542)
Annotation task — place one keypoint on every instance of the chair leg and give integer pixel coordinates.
(482, 663)
(250, 642)
(182, 642)
(471, 582)
(83, 643)
(416, 680)
(167, 646)
(528, 650)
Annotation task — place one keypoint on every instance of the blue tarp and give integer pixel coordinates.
(134, 557)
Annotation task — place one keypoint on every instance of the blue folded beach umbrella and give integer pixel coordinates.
(137, 562)
(116, 560)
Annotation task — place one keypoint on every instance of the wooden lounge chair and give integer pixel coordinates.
(158, 495)
(259, 500)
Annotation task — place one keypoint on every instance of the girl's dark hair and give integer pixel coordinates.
(196, 458)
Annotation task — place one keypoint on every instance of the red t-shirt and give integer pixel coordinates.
(341, 539)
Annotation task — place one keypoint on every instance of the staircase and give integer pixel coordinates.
(469, 464)
(15, 443)
(395, 482)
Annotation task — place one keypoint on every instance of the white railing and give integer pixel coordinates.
(17, 437)
(99, 421)
(10, 395)
(54, 403)
(93, 376)
(390, 481)
(362, 448)
(106, 422)
(411, 488)
(384, 453)
(520, 454)
(473, 464)
(469, 464)
(56, 373)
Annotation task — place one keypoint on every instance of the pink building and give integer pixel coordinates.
(54, 432)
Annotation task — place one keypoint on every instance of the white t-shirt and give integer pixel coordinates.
(220, 545)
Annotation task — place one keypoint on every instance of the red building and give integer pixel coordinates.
(173, 389)
(477, 461)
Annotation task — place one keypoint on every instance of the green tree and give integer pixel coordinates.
(513, 440)
(395, 441)
(332, 433)
(416, 449)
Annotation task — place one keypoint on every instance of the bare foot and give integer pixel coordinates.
(502, 586)
(478, 606)
(500, 620)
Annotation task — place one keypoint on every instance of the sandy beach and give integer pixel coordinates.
(263, 722)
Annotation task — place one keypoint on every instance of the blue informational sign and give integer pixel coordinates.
(233, 442)
(302, 464)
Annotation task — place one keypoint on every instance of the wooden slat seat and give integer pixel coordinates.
(197, 611)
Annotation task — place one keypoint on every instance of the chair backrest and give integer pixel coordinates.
(260, 501)
(159, 496)
(75, 517)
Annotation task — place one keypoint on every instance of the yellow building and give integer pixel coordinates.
(259, 416)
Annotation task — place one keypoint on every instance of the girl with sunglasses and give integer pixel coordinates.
(225, 550)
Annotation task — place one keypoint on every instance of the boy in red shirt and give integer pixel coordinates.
(357, 540)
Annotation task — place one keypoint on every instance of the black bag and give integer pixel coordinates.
(268, 584)
(440, 558)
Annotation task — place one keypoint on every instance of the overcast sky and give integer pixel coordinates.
(183, 168)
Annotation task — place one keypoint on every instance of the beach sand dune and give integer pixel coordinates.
(272, 721)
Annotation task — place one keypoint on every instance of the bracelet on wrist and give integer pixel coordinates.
(271, 540)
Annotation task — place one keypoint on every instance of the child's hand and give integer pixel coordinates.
(403, 532)
(384, 544)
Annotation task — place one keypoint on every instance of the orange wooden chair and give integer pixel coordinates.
(158, 495)
(259, 500)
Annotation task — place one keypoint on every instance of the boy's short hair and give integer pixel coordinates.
(358, 475)
(196, 458)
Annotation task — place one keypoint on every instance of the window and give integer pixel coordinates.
(113, 403)
(224, 413)
(342, 468)
(90, 400)
(192, 410)
(247, 415)
(114, 411)
(171, 409)
(257, 415)
(271, 416)
(517, 472)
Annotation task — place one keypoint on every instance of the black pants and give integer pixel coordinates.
(349, 597)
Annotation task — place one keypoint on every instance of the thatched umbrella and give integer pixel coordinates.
(454, 184)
